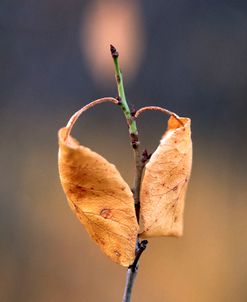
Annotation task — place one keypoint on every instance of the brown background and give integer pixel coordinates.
(188, 56)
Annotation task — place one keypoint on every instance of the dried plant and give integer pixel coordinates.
(115, 216)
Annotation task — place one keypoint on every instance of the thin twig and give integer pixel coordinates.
(139, 165)
(132, 271)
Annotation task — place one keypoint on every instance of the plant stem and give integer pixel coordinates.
(122, 99)
(132, 271)
(139, 165)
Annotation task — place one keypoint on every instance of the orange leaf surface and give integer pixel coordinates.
(165, 182)
(100, 198)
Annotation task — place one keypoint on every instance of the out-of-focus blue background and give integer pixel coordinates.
(188, 56)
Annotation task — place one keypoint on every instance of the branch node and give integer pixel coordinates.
(120, 102)
(140, 249)
(134, 140)
(145, 156)
(133, 111)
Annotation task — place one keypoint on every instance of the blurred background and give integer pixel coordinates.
(188, 56)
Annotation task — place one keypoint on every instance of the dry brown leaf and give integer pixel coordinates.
(99, 196)
(165, 181)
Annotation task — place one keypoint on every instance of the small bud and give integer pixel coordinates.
(145, 156)
(114, 52)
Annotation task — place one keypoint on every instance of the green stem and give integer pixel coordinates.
(123, 101)
(139, 164)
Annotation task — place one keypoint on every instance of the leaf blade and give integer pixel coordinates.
(165, 182)
(100, 198)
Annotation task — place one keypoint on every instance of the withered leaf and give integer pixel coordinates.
(165, 182)
(99, 196)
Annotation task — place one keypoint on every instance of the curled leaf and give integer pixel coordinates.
(165, 181)
(100, 198)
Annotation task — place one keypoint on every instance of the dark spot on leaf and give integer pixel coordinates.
(105, 213)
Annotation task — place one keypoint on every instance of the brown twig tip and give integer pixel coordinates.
(114, 52)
